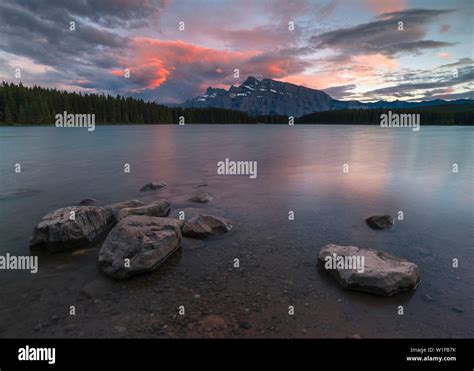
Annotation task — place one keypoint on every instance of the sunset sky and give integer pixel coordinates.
(351, 49)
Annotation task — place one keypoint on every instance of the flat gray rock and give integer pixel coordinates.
(160, 208)
(383, 273)
(58, 231)
(206, 225)
(138, 244)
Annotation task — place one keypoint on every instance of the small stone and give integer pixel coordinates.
(202, 198)
(245, 325)
(379, 221)
(152, 186)
(457, 309)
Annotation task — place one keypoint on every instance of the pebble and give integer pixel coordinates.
(245, 325)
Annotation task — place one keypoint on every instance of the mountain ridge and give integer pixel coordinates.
(272, 97)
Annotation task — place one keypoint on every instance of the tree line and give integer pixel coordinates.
(38, 106)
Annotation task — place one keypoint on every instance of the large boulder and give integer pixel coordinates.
(72, 227)
(138, 244)
(160, 208)
(152, 186)
(206, 225)
(369, 270)
(379, 221)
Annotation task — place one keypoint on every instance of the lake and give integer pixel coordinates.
(300, 169)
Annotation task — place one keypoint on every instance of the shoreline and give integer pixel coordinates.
(232, 124)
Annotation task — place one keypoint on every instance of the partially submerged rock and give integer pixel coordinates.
(379, 221)
(160, 208)
(381, 273)
(138, 244)
(116, 207)
(206, 225)
(72, 227)
(202, 198)
(152, 186)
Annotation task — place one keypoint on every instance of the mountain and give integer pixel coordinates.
(270, 97)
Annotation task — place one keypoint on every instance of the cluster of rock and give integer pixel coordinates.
(137, 238)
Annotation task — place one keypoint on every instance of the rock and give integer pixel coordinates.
(57, 232)
(160, 208)
(202, 198)
(146, 241)
(206, 225)
(88, 202)
(457, 309)
(245, 325)
(382, 274)
(116, 207)
(380, 221)
(152, 186)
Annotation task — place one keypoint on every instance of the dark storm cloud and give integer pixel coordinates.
(383, 35)
(50, 41)
(107, 13)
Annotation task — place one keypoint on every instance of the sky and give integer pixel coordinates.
(364, 50)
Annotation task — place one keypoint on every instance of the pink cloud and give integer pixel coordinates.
(153, 62)
(385, 6)
(444, 55)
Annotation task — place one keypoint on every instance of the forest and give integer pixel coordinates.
(21, 105)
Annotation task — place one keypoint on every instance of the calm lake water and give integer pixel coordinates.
(300, 168)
